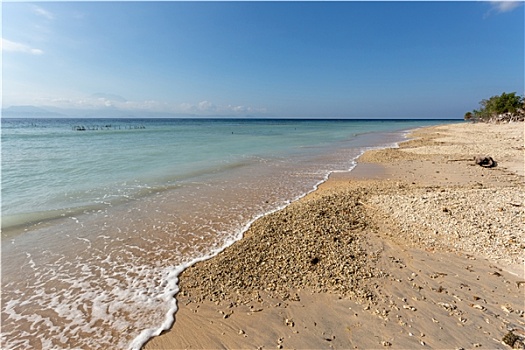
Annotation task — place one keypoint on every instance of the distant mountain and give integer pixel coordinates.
(28, 112)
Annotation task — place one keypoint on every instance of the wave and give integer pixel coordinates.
(99, 199)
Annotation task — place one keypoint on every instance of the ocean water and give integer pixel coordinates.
(100, 216)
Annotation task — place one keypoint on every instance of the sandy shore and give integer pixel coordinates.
(418, 247)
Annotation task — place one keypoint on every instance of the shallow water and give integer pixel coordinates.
(97, 224)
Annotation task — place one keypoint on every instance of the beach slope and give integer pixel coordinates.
(416, 247)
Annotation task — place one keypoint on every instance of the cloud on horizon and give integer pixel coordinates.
(206, 107)
(93, 102)
(106, 101)
(11, 46)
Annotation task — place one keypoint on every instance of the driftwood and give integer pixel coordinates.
(508, 117)
(485, 161)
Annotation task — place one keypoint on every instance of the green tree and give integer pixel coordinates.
(496, 105)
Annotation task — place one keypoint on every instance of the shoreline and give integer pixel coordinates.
(219, 306)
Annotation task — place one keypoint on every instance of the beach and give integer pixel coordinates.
(91, 254)
(416, 247)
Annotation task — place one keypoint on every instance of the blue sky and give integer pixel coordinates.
(268, 59)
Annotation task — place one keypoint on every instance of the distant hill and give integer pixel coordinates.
(28, 112)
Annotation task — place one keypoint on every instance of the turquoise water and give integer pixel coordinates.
(99, 216)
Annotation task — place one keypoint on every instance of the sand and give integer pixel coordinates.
(417, 247)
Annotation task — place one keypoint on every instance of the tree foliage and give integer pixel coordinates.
(507, 105)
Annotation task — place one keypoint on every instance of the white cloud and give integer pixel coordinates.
(109, 97)
(105, 101)
(186, 107)
(147, 105)
(11, 46)
(42, 12)
(240, 109)
(89, 102)
(206, 107)
(505, 6)
(244, 109)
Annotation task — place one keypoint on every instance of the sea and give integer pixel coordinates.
(100, 216)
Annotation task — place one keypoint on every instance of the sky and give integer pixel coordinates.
(262, 59)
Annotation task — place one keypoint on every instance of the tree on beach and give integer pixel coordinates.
(504, 108)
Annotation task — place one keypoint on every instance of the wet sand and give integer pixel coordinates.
(417, 247)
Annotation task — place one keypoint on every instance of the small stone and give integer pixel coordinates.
(507, 309)
(447, 306)
(510, 338)
(519, 344)
(386, 343)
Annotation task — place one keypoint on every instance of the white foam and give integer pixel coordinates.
(124, 284)
(172, 278)
(145, 335)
